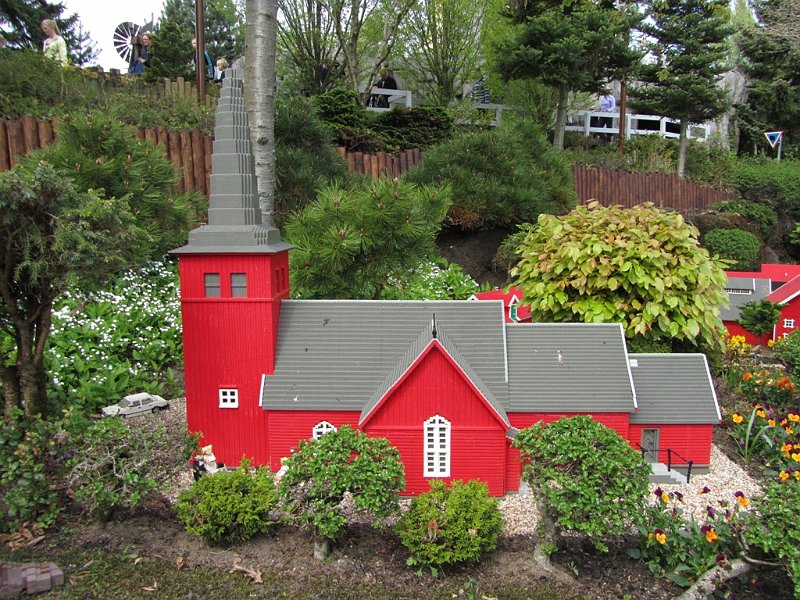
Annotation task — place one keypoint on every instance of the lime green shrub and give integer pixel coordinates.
(229, 506)
(450, 525)
(787, 349)
(501, 177)
(740, 247)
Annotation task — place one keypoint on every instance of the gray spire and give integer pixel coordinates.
(234, 217)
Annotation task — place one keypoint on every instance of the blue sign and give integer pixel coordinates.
(773, 137)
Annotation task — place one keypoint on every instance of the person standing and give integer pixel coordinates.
(607, 104)
(209, 63)
(54, 46)
(386, 82)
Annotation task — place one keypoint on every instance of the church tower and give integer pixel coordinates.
(234, 272)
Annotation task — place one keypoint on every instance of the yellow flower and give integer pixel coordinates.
(771, 422)
(737, 418)
(789, 431)
(711, 535)
(661, 538)
(761, 413)
(743, 502)
(794, 418)
(797, 475)
(783, 475)
(665, 497)
(770, 343)
(796, 456)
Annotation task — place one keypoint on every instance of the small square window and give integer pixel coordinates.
(212, 285)
(788, 323)
(239, 285)
(229, 398)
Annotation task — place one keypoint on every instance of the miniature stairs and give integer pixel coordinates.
(660, 474)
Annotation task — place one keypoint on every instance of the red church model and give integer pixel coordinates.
(449, 383)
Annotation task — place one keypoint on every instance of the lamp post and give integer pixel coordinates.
(199, 52)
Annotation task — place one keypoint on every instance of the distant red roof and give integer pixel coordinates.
(510, 298)
(787, 292)
(778, 273)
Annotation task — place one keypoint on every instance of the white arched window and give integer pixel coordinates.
(437, 447)
(321, 429)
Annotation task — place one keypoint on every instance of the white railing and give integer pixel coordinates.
(592, 122)
(395, 98)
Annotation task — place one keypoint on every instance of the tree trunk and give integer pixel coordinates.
(12, 395)
(712, 579)
(561, 117)
(546, 541)
(322, 547)
(684, 146)
(259, 93)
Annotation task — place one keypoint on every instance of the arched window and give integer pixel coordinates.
(321, 429)
(437, 447)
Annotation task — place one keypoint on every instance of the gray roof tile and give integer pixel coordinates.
(749, 289)
(568, 367)
(673, 388)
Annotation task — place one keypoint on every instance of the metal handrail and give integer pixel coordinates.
(670, 452)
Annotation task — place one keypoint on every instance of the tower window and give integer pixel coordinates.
(321, 429)
(229, 398)
(239, 285)
(437, 447)
(212, 285)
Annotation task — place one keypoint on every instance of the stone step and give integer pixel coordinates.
(660, 474)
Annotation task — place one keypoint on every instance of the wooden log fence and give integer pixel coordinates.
(189, 151)
(613, 186)
(161, 88)
(381, 164)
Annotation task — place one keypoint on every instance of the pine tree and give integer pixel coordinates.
(20, 24)
(689, 51)
(171, 53)
(576, 46)
(224, 25)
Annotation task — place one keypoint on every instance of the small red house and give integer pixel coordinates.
(449, 383)
(777, 283)
(515, 311)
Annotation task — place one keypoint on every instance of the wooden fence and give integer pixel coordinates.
(612, 186)
(381, 164)
(189, 151)
(161, 88)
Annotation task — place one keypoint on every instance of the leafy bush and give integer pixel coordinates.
(682, 549)
(787, 349)
(133, 106)
(113, 467)
(417, 127)
(450, 525)
(740, 247)
(508, 175)
(230, 506)
(439, 280)
(304, 156)
(127, 336)
(27, 451)
(762, 215)
(322, 471)
(759, 317)
(774, 184)
(588, 479)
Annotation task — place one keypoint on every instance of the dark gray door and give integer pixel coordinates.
(650, 445)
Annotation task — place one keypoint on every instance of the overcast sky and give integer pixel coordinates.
(101, 18)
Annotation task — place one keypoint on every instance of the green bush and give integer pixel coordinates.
(761, 215)
(229, 506)
(304, 155)
(787, 349)
(508, 175)
(774, 184)
(440, 280)
(418, 127)
(450, 525)
(133, 106)
(740, 247)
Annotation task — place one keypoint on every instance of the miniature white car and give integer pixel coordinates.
(136, 404)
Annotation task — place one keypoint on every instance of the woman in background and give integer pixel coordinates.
(140, 57)
(54, 45)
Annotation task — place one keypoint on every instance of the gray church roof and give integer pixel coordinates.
(673, 388)
(568, 367)
(345, 354)
(742, 290)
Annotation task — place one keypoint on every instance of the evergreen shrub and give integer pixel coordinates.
(774, 184)
(762, 215)
(741, 247)
(229, 506)
(171, 56)
(417, 127)
(507, 175)
(450, 525)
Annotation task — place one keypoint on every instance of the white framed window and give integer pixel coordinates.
(437, 447)
(228, 398)
(788, 323)
(321, 429)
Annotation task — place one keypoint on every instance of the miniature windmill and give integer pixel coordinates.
(124, 34)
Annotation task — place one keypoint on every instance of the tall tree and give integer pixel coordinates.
(306, 35)
(20, 22)
(171, 53)
(224, 25)
(576, 46)
(366, 31)
(439, 42)
(688, 44)
(259, 96)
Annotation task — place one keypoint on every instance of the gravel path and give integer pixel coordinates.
(520, 515)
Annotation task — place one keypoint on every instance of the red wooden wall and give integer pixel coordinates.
(693, 442)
